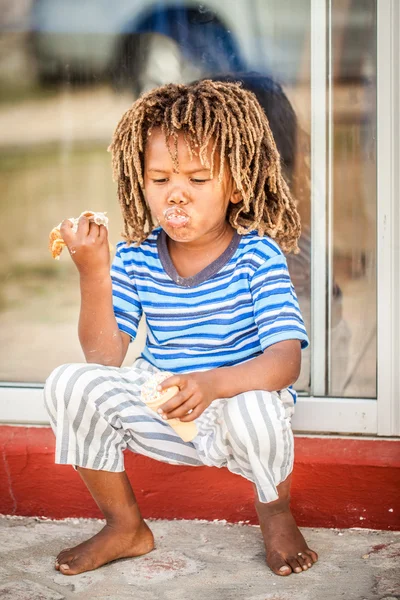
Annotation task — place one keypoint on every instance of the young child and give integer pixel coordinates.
(204, 206)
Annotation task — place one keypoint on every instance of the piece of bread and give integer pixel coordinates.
(56, 243)
(153, 399)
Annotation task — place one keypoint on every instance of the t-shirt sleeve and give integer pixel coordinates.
(276, 309)
(126, 302)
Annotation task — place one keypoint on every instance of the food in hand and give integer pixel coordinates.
(154, 398)
(56, 243)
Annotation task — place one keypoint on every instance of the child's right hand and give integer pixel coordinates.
(88, 247)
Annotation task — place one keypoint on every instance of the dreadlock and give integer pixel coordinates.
(231, 119)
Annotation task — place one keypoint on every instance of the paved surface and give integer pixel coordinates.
(196, 560)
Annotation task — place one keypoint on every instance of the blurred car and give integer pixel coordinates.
(144, 43)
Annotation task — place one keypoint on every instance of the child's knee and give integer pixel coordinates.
(255, 417)
(57, 384)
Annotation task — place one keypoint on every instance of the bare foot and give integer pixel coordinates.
(286, 549)
(107, 545)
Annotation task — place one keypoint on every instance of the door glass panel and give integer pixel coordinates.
(69, 69)
(352, 338)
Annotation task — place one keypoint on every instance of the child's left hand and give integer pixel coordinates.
(195, 394)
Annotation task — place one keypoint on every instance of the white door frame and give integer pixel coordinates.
(388, 216)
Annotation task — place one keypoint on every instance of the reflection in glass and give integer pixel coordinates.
(353, 251)
(293, 145)
(68, 70)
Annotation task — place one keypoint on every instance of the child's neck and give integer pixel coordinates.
(190, 259)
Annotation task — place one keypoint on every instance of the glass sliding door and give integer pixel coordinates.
(344, 199)
(69, 70)
(352, 200)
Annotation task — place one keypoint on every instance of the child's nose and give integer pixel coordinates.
(177, 196)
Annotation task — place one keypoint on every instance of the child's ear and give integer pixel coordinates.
(236, 196)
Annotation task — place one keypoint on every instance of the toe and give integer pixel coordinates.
(65, 563)
(294, 563)
(303, 560)
(284, 570)
(309, 558)
(62, 557)
(64, 560)
(75, 565)
(278, 564)
(70, 568)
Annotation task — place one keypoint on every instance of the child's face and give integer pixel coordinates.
(188, 205)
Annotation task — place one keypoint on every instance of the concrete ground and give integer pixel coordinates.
(196, 560)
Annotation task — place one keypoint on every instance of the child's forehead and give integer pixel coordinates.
(160, 149)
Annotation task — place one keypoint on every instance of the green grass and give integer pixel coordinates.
(12, 94)
(13, 159)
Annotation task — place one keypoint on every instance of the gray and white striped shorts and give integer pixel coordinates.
(96, 413)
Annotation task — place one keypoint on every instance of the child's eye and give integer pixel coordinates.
(199, 180)
(160, 180)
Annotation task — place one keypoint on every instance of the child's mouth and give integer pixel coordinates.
(176, 217)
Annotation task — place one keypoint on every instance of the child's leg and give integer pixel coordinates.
(251, 435)
(125, 533)
(96, 413)
(285, 546)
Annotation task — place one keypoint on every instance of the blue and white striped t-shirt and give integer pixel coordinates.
(226, 314)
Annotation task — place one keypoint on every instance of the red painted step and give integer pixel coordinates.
(337, 482)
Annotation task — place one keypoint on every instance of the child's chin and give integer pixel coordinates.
(180, 234)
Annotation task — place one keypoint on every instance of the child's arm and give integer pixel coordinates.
(277, 368)
(101, 340)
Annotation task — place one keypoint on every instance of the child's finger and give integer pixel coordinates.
(194, 414)
(103, 233)
(94, 228)
(182, 410)
(66, 231)
(83, 226)
(94, 231)
(173, 403)
(167, 383)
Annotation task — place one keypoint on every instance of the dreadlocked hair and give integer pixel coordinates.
(231, 119)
